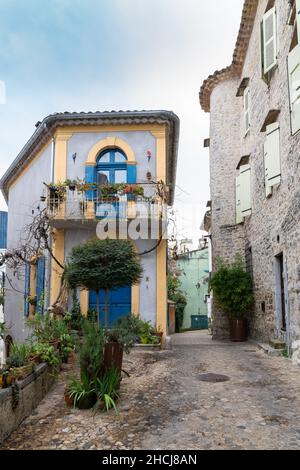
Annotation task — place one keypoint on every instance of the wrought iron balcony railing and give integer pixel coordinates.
(89, 205)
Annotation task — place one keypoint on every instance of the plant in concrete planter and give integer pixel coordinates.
(19, 360)
(233, 290)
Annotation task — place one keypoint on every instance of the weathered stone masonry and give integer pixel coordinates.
(274, 225)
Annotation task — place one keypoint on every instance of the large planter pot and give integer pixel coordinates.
(87, 402)
(238, 329)
(113, 356)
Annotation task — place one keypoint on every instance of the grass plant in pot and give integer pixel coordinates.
(233, 291)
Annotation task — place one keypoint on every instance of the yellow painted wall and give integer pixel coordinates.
(58, 247)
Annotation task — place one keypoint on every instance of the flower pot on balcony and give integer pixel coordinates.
(72, 187)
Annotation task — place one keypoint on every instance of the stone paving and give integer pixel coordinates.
(165, 403)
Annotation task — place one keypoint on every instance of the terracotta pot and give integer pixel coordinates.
(5, 380)
(113, 356)
(87, 402)
(238, 329)
(68, 399)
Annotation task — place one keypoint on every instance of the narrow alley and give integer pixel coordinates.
(202, 394)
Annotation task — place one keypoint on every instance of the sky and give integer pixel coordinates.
(97, 55)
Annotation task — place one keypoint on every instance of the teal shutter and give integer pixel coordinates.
(40, 283)
(131, 174)
(27, 288)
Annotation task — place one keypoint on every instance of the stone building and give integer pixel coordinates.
(254, 165)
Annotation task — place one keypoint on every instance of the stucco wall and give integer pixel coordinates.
(193, 269)
(23, 204)
(140, 142)
(273, 226)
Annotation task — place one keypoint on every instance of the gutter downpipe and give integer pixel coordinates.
(47, 299)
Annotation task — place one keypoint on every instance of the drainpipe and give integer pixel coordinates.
(47, 302)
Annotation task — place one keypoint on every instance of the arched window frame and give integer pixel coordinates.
(111, 166)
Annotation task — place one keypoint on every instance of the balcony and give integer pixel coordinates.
(67, 207)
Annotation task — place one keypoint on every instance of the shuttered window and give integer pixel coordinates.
(243, 193)
(247, 110)
(272, 157)
(40, 284)
(294, 77)
(27, 289)
(269, 37)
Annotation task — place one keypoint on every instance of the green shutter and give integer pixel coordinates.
(245, 190)
(238, 213)
(294, 85)
(273, 149)
(266, 163)
(269, 40)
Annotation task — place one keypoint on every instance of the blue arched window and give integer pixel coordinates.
(111, 167)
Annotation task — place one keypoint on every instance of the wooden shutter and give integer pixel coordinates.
(27, 289)
(298, 19)
(40, 284)
(247, 110)
(273, 150)
(268, 188)
(269, 40)
(238, 212)
(294, 86)
(245, 190)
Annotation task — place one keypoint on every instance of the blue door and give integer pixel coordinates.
(119, 304)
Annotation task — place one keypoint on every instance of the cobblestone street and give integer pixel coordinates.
(170, 402)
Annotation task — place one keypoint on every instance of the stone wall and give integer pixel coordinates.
(273, 226)
(31, 391)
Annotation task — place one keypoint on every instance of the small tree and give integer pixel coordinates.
(179, 298)
(233, 288)
(103, 264)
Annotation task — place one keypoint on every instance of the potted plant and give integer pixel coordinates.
(71, 184)
(81, 393)
(107, 390)
(19, 360)
(233, 290)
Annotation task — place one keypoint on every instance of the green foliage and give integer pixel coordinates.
(147, 334)
(75, 318)
(103, 264)
(19, 355)
(92, 315)
(176, 295)
(108, 389)
(233, 288)
(82, 392)
(47, 329)
(91, 351)
(125, 331)
(47, 353)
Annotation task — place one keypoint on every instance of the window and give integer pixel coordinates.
(272, 157)
(247, 110)
(243, 192)
(34, 287)
(294, 74)
(269, 39)
(112, 167)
